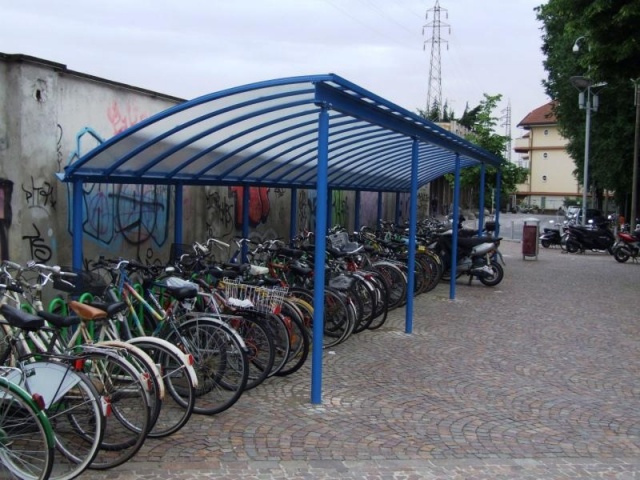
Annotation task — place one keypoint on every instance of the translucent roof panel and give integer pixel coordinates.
(267, 133)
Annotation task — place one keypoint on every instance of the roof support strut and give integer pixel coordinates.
(321, 241)
(481, 200)
(413, 219)
(454, 227)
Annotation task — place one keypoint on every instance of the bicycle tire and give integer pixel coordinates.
(366, 293)
(299, 338)
(75, 414)
(382, 301)
(177, 408)
(27, 440)
(220, 362)
(129, 411)
(261, 350)
(396, 282)
(148, 372)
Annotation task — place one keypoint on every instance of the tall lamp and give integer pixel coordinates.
(588, 101)
(583, 84)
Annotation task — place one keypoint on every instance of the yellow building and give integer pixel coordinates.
(542, 150)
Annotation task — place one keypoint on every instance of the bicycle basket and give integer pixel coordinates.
(253, 297)
(84, 282)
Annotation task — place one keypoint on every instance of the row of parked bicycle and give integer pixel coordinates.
(126, 351)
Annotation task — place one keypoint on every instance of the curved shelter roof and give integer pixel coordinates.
(268, 133)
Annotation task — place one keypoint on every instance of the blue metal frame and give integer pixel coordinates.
(454, 227)
(481, 200)
(315, 132)
(320, 246)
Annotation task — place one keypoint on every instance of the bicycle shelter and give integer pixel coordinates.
(316, 132)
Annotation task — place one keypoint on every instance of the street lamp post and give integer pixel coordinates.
(583, 85)
(634, 178)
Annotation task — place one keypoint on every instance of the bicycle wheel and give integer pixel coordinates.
(74, 410)
(339, 318)
(128, 412)
(220, 362)
(299, 339)
(365, 292)
(261, 350)
(382, 300)
(179, 383)
(27, 441)
(147, 372)
(396, 282)
(306, 309)
(281, 340)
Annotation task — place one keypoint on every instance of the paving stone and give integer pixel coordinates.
(534, 378)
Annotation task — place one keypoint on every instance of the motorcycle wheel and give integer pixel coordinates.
(496, 278)
(620, 255)
(545, 243)
(572, 247)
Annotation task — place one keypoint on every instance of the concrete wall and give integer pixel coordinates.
(50, 116)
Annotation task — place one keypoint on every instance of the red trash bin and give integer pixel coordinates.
(530, 234)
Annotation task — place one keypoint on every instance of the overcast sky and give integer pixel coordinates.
(187, 48)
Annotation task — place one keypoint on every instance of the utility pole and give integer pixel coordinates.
(634, 178)
(434, 89)
(507, 130)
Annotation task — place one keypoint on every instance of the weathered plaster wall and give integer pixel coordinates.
(50, 116)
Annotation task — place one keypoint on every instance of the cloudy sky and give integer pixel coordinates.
(187, 48)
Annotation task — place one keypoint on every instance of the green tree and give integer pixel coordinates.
(482, 124)
(609, 51)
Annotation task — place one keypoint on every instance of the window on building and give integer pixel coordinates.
(546, 131)
(545, 155)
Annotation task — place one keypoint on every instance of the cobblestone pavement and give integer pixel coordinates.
(535, 378)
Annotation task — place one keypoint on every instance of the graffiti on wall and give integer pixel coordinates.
(259, 205)
(39, 250)
(124, 116)
(39, 194)
(424, 203)
(113, 215)
(219, 214)
(340, 208)
(307, 200)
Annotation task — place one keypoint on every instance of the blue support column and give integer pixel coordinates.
(397, 218)
(329, 209)
(76, 254)
(356, 223)
(379, 217)
(497, 196)
(177, 224)
(245, 220)
(481, 199)
(454, 239)
(293, 221)
(413, 231)
(318, 280)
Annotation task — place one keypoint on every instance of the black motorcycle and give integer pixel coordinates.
(551, 236)
(478, 257)
(595, 237)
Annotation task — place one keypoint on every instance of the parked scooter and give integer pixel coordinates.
(598, 237)
(551, 236)
(478, 257)
(627, 246)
